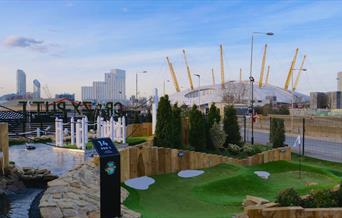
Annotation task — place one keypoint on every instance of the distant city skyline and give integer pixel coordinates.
(67, 44)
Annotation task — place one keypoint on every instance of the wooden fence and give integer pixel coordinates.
(4, 149)
(144, 160)
(141, 129)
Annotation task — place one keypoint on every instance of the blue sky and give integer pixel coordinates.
(67, 44)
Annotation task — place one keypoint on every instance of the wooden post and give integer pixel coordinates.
(4, 145)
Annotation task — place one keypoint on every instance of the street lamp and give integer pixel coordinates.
(251, 79)
(199, 90)
(136, 83)
(164, 85)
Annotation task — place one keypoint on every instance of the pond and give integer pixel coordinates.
(57, 160)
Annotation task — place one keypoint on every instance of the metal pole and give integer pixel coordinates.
(136, 86)
(244, 129)
(164, 87)
(303, 146)
(199, 92)
(252, 89)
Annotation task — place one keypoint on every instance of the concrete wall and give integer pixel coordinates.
(146, 160)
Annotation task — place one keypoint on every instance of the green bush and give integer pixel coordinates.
(234, 149)
(176, 127)
(217, 136)
(163, 133)
(338, 196)
(213, 115)
(277, 132)
(307, 202)
(324, 198)
(231, 126)
(197, 129)
(288, 197)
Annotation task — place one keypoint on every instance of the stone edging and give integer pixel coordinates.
(76, 194)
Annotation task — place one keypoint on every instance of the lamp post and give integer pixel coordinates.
(136, 84)
(199, 90)
(293, 97)
(251, 79)
(164, 86)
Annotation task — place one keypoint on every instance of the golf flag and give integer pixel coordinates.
(297, 142)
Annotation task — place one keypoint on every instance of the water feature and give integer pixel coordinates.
(57, 160)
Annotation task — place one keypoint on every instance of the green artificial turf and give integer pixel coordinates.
(220, 190)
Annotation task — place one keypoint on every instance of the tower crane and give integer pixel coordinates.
(213, 76)
(240, 74)
(173, 74)
(222, 66)
(298, 75)
(289, 75)
(262, 67)
(267, 75)
(47, 91)
(188, 70)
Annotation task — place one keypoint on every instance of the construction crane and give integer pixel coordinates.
(262, 67)
(267, 75)
(240, 74)
(222, 66)
(298, 75)
(188, 70)
(173, 74)
(289, 75)
(213, 75)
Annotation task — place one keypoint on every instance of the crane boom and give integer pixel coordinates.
(287, 82)
(188, 70)
(299, 72)
(267, 75)
(173, 74)
(213, 75)
(262, 67)
(222, 66)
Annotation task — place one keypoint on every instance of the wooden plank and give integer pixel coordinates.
(167, 156)
(133, 164)
(154, 161)
(124, 165)
(4, 145)
(174, 160)
(161, 160)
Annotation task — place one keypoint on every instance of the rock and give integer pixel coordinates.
(254, 201)
(51, 212)
(262, 174)
(310, 183)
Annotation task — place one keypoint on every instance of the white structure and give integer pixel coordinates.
(36, 89)
(21, 83)
(154, 109)
(339, 81)
(115, 85)
(236, 92)
(117, 131)
(112, 89)
(87, 93)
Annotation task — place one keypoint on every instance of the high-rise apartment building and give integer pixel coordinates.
(112, 89)
(21, 83)
(36, 89)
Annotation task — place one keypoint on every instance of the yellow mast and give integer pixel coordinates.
(299, 72)
(240, 74)
(262, 67)
(188, 70)
(222, 66)
(213, 75)
(267, 74)
(287, 82)
(173, 74)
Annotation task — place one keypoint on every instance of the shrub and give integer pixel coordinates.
(231, 126)
(338, 196)
(307, 202)
(197, 129)
(213, 115)
(324, 198)
(234, 149)
(176, 127)
(163, 133)
(288, 197)
(217, 135)
(277, 132)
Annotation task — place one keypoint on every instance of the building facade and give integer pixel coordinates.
(36, 89)
(21, 83)
(68, 96)
(113, 88)
(339, 81)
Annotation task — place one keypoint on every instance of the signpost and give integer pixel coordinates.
(110, 197)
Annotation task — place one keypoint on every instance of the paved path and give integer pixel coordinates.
(322, 149)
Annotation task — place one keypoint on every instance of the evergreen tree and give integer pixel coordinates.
(213, 115)
(197, 129)
(176, 126)
(163, 133)
(231, 126)
(277, 132)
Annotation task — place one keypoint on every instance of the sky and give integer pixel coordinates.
(68, 44)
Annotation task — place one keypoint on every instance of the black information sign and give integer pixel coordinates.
(110, 198)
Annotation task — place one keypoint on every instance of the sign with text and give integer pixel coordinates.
(110, 197)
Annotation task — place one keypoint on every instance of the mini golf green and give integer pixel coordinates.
(220, 190)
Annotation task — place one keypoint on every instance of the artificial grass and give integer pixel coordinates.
(220, 190)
